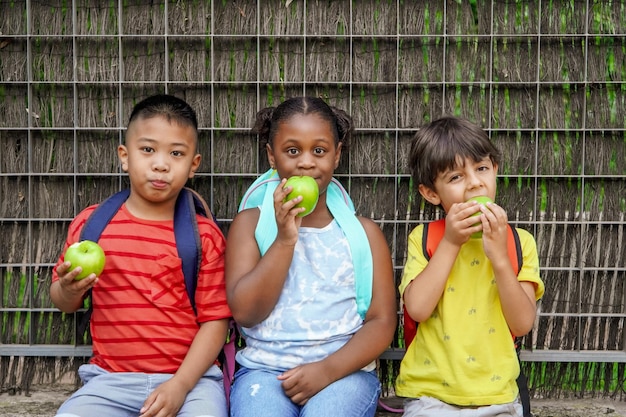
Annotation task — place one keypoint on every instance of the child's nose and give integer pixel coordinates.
(306, 161)
(159, 164)
(473, 180)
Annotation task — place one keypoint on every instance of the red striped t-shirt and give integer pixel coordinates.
(142, 319)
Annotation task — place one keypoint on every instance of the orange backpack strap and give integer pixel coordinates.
(514, 247)
(433, 233)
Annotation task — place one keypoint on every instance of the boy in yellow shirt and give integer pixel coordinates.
(466, 297)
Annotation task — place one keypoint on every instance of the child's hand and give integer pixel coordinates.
(165, 400)
(495, 228)
(303, 382)
(67, 293)
(460, 224)
(69, 285)
(287, 219)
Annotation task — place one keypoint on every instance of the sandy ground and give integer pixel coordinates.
(44, 400)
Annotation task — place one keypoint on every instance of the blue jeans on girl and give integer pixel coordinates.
(258, 393)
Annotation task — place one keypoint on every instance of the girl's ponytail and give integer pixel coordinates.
(345, 126)
(263, 124)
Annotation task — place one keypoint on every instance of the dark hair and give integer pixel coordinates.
(269, 118)
(438, 146)
(164, 105)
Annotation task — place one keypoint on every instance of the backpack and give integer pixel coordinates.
(260, 194)
(433, 233)
(189, 247)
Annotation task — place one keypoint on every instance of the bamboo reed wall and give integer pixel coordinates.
(546, 79)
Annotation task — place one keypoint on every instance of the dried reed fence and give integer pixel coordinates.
(545, 78)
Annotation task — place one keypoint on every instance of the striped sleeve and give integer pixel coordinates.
(211, 290)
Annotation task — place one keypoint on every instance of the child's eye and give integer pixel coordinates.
(453, 178)
(177, 153)
(147, 149)
(319, 151)
(292, 151)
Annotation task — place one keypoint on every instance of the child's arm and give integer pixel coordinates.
(67, 293)
(254, 283)
(168, 397)
(517, 298)
(303, 382)
(424, 292)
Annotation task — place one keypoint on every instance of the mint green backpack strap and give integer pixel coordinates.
(260, 194)
(342, 208)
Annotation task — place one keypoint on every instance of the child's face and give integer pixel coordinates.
(467, 179)
(305, 145)
(159, 156)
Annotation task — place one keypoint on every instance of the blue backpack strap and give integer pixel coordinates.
(102, 215)
(185, 225)
(188, 243)
(188, 204)
(92, 230)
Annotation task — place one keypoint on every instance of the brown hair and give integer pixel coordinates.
(438, 146)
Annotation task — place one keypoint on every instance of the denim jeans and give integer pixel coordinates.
(123, 394)
(258, 393)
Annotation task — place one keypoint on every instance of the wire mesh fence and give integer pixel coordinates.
(546, 79)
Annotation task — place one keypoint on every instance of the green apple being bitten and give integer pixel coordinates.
(88, 255)
(481, 199)
(306, 187)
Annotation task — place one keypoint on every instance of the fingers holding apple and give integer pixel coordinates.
(482, 200)
(65, 271)
(87, 255)
(305, 187)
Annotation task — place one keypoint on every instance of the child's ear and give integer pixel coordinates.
(122, 154)
(270, 155)
(338, 154)
(195, 164)
(429, 194)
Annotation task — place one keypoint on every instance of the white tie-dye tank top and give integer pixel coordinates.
(316, 313)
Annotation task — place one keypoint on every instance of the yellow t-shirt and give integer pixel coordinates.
(464, 353)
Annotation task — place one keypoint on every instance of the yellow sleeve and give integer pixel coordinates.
(530, 264)
(415, 260)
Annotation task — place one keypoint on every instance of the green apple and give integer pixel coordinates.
(306, 187)
(481, 199)
(88, 255)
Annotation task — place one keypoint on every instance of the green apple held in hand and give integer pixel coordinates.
(306, 187)
(88, 255)
(481, 199)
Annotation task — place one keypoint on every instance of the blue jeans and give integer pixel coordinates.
(258, 393)
(123, 394)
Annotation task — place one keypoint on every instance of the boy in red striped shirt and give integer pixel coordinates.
(152, 354)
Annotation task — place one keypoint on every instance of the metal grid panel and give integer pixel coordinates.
(71, 72)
